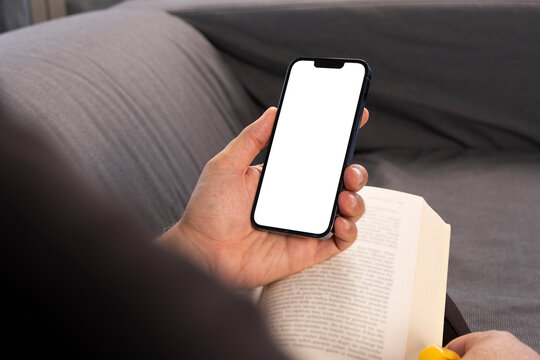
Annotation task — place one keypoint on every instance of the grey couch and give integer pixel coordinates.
(138, 97)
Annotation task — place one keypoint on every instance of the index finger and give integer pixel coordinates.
(365, 117)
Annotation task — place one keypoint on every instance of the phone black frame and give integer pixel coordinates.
(326, 62)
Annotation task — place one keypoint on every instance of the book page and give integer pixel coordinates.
(429, 292)
(356, 305)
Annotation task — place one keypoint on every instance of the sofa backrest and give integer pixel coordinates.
(138, 101)
(459, 74)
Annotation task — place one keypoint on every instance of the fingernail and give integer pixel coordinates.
(359, 175)
(346, 225)
(353, 198)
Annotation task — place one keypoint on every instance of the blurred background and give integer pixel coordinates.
(18, 13)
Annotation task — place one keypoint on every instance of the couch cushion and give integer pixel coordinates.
(491, 199)
(445, 73)
(138, 101)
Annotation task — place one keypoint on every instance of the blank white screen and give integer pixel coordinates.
(309, 147)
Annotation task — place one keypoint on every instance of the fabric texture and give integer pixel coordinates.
(446, 74)
(454, 323)
(138, 101)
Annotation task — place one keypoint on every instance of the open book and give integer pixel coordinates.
(383, 298)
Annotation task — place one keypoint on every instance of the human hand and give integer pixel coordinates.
(491, 345)
(216, 231)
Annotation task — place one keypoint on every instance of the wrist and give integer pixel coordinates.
(179, 238)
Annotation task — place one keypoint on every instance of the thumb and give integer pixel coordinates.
(464, 343)
(241, 151)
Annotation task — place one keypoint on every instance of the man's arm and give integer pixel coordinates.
(216, 232)
(83, 280)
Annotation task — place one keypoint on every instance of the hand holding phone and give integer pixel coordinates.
(215, 230)
(318, 118)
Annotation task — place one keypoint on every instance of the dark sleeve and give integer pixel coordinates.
(83, 280)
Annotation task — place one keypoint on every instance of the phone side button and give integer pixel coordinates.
(358, 126)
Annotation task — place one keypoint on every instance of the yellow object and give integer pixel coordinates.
(435, 352)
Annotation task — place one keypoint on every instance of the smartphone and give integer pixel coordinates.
(312, 142)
